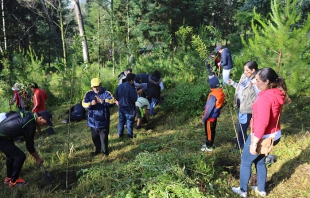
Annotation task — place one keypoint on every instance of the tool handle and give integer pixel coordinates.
(43, 167)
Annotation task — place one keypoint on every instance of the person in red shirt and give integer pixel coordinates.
(39, 98)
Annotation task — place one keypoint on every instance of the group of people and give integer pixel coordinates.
(130, 101)
(22, 123)
(259, 97)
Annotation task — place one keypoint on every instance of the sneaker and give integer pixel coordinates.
(260, 193)
(206, 148)
(138, 127)
(18, 182)
(64, 121)
(239, 191)
(7, 180)
(270, 159)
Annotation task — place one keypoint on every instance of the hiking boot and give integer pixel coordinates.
(207, 148)
(239, 191)
(7, 180)
(18, 182)
(94, 153)
(260, 193)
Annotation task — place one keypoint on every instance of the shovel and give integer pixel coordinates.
(47, 176)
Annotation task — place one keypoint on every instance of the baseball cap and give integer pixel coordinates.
(218, 48)
(214, 82)
(47, 116)
(95, 82)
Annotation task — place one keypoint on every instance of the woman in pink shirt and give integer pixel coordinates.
(266, 123)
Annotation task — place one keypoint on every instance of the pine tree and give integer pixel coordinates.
(280, 42)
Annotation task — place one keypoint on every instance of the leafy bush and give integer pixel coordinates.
(188, 98)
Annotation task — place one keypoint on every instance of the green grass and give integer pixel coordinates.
(163, 161)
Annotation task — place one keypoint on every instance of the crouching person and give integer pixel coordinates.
(15, 125)
(142, 111)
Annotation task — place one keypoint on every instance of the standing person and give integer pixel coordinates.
(154, 87)
(226, 62)
(39, 99)
(212, 109)
(266, 123)
(126, 97)
(142, 103)
(245, 94)
(122, 76)
(21, 97)
(97, 101)
(15, 125)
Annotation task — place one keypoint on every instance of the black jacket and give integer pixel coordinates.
(19, 124)
(153, 88)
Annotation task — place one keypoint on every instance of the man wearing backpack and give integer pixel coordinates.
(15, 125)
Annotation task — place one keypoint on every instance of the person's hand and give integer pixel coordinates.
(39, 161)
(116, 102)
(93, 102)
(230, 82)
(219, 64)
(253, 149)
(99, 100)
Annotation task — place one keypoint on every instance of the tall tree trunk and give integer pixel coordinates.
(62, 32)
(112, 33)
(79, 19)
(3, 28)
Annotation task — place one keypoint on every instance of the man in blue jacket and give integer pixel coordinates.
(15, 125)
(97, 101)
(226, 62)
(126, 97)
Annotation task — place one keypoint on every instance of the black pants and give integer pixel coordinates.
(100, 140)
(210, 132)
(14, 158)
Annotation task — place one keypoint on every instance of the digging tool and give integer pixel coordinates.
(47, 176)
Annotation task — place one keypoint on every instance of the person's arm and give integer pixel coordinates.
(161, 85)
(29, 131)
(224, 58)
(261, 116)
(210, 104)
(35, 102)
(87, 101)
(109, 100)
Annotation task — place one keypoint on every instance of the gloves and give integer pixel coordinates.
(230, 82)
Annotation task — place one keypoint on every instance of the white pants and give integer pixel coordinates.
(226, 74)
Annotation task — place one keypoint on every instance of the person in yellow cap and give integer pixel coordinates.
(97, 101)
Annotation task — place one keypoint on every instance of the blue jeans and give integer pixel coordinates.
(152, 106)
(242, 132)
(247, 159)
(126, 117)
(226, 75)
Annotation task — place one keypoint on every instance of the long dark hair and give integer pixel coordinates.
(275, 81)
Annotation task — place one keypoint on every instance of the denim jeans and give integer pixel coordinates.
(152, 106)
(242, 132)
(126, 117)
(226, 74)
(247, 159)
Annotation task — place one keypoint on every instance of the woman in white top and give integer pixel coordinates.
(245, 94)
